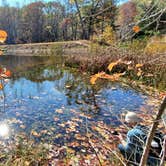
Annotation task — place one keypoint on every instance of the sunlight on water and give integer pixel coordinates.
(4, 130)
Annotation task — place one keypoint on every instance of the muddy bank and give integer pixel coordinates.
(47, 49)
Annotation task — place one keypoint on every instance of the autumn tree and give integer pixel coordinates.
(54, 14)
(151, 15)
(31, 24)
(127, 13)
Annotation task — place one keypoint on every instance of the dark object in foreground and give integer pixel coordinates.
(132, 148)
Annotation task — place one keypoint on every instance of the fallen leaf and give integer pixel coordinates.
(56, 119)
(138, 65)
(60, 111)
(34, 133)
(22, 126)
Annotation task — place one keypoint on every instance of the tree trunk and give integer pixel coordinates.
(83, 36)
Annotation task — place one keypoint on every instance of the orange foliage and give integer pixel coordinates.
(1, 86)
(136, 28)
(4, 73)
(103, 75)
(3, 36)
(8, 73)
(116, 76)
(138, 65)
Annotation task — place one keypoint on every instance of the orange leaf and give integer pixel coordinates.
(111, 65)
(136, 28)
(8, 73)
(114, 77)
(138, 65)
(34, 133)
(3, 36)
(103, 75)
(1, 86)
(95, 77)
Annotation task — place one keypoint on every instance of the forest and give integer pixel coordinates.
(83, 83)
(77, 19)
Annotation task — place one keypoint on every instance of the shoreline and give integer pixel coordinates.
(87, 56)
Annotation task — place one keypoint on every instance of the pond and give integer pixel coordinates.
(53, 104)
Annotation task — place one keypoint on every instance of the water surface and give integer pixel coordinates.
(51, 103)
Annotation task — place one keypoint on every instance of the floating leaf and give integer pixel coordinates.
(22, 126)
(34, 133)
(79, 137)
(77, 119)
(43, 131)
(74, 144)
(61, 125)
(58, 135)
(60, 111)
(56, 119)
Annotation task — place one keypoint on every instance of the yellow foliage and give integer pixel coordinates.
(155, 47)
(95, 77)
(111, 65)
(109, 35)
(138, 65)
(103, 75)
(114, 77)
(157, 44)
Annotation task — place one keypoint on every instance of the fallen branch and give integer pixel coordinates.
(164, 151)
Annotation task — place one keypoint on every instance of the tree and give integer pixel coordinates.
(127, 13)
(31, 24)
(54, 13)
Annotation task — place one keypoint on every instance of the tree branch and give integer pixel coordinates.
(151, 133)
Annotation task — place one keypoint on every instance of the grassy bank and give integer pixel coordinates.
(93, 57)
(152, 70)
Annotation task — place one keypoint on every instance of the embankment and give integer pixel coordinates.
(47, 49)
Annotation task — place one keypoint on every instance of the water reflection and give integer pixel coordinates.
(43, 97)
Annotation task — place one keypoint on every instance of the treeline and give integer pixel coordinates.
(79, 19)
(54, 21)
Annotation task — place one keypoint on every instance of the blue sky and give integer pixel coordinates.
(21, 2)
(24, 2)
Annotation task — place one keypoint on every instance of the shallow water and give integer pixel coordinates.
(51, 103)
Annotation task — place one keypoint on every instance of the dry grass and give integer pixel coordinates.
(153, 70)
